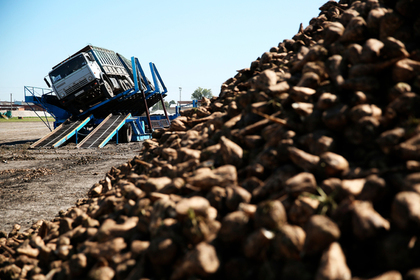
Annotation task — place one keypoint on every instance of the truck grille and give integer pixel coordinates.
(77, 86)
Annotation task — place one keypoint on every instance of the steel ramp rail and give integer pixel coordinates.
(61, 133)
(101, 135)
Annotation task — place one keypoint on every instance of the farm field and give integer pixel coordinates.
(37, 183)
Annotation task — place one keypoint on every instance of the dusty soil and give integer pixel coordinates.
(37, 183)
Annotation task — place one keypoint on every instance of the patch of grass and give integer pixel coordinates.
(26, 119)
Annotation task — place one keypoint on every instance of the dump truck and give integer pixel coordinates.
(89, 77)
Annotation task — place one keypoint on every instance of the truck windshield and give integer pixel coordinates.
(67, 68)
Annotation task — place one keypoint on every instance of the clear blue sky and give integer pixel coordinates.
(193, 43)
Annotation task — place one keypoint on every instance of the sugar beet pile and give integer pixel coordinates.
(307, 166)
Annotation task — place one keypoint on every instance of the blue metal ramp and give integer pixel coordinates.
(61, 133)
(104, 132)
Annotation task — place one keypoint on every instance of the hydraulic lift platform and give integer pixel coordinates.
(127, 113)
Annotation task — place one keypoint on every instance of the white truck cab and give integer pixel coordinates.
(90, 76)
(74, 74)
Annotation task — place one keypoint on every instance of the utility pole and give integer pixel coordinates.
(11, 103)
(180, 88)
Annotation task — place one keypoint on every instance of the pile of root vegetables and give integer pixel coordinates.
(307, 166)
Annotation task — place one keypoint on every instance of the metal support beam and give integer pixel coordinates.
(156, 72)
(164, 108)
(136, 69)
(147, 110)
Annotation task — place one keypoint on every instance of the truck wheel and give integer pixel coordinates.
(125, 133)
(107, 90)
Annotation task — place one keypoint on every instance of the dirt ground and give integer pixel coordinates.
(37, 183)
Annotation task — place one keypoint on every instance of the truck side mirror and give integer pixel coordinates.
(46, 81)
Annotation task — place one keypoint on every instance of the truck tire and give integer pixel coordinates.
(107, 90)
(125, 133)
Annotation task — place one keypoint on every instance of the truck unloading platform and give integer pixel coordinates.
(127, 112)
